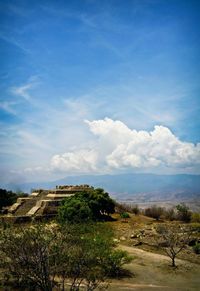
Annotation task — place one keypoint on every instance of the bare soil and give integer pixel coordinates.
(150, 268)
(153, 272)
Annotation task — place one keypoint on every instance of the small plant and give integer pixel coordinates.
(124, 216)
(135, 209)
(114, 263)
(196, 248)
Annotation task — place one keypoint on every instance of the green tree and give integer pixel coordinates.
(83, 206)
(92, 255)
(38, 257)
(74, 209)
(7, 198)
(27, 257)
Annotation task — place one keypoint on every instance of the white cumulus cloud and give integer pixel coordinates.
(78, 161)
(117, 147)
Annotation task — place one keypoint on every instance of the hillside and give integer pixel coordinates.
(143, 187)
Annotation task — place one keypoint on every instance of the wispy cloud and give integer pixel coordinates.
(8, 106)
(24, 90)
(12, 40)
(34, 140)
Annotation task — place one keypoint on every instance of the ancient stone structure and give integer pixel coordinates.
(43, 203)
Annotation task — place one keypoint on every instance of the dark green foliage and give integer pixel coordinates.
(184, 214)
(87, 205)
(196, 248)
(7, 198)
(125, 215)
(74, 209)
(135, 209)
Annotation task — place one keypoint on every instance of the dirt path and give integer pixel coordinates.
(149, 255)
(151, 271)
(139, 286)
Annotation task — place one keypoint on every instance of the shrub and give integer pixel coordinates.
(115, 262)
(196, 248)
(170, 214)
(195, 226)
(184, 214)
(27, 256)
(154, 212)
(135, 209)
(125, 215)
(79, 253)
(195, 217)
(123, 207)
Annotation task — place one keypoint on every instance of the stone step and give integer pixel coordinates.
(14, 207)
(33, 210)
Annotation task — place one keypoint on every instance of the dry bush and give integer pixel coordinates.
(154, 212)
(172, 239)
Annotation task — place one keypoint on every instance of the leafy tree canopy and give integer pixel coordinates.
(35, 257)
(7, 198)
(86, 205)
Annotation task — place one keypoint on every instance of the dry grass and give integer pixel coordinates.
(151, 268)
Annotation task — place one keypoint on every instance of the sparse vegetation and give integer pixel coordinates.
(154, 212)
(32, 257)
(82, 253)
(169, 214)
(195, 217)
(123, 207)
(135, 209)
(172, 239)
(124, 216)
(184, 214)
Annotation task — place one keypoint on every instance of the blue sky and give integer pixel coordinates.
(126, 66)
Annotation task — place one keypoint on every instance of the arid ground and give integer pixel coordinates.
(150, 267)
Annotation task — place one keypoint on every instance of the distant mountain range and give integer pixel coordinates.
(140, 187)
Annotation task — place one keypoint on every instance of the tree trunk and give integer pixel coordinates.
(173, 262)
